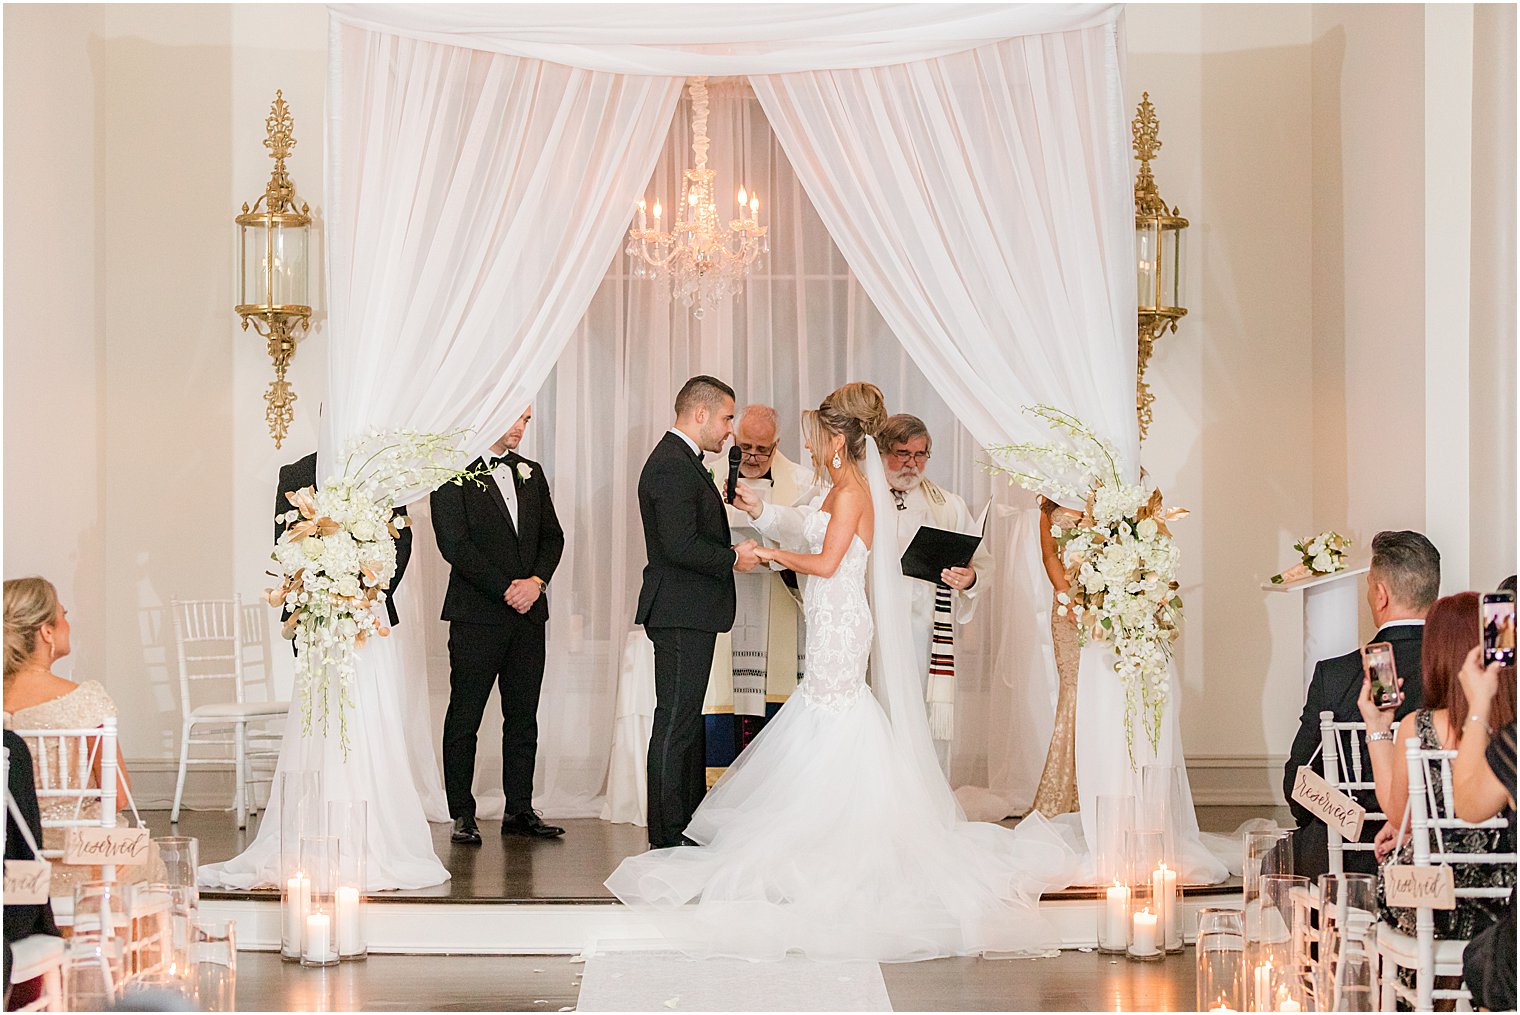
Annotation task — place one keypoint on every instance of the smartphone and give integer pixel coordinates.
(1377, 663)
(1498, 628)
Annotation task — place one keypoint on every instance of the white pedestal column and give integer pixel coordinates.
(1330, 614)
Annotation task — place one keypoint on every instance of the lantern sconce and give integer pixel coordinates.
(1158, 252)
(272, 268)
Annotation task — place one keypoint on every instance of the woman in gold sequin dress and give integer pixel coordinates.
(1058, 782)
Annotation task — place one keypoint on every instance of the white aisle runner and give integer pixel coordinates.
(661, 981)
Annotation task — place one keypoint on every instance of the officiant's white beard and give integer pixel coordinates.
(903, 480)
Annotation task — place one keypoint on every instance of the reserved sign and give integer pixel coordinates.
(1407, 887)
(1329, 804)
(27, 882)
(92, 846)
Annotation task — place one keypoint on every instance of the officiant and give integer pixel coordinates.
(906, 447)
(756, 667)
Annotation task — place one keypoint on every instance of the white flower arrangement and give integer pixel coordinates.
(524, 471)
(1120, 557)
(337, 557)
(1318, 555)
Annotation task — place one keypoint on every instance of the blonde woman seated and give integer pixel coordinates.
(37, 636)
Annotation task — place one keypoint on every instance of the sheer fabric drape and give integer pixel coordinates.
(461, 256)
(802, 327)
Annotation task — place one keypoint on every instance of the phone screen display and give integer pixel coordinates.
(1499, 629)
(1377, 660)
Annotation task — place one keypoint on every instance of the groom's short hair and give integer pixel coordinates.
(702, 390)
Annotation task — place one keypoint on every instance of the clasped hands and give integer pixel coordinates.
(522, 594)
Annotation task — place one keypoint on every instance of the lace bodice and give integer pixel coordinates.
(838, 623)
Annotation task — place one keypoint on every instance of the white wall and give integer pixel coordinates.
(1292, 398)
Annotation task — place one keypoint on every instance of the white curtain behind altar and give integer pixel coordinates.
(802, 327)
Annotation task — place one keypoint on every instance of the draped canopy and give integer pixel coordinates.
(483, 161)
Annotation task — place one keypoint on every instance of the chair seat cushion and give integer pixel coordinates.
(1405, 949)
(245, 710)
(34, 955)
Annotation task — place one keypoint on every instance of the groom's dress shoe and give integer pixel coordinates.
(465, 831)
(530, 824)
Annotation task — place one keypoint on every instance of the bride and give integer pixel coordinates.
(835, 834)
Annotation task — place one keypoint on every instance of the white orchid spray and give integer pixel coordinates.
(1318, 555)
(1120, 557)
(337, 557)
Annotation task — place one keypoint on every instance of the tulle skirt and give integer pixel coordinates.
(821, 839)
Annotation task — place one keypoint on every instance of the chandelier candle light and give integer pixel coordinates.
(703, 261)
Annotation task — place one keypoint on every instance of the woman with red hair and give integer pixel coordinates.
(1451, 631)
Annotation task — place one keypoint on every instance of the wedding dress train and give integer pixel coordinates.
(835, 834)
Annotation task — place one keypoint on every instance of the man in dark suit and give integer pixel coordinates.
(22, 921)
(503, 541)
(1404, 580)
(687, 597)
(300, 474)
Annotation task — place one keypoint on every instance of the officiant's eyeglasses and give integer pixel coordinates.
(916, 457)
(757, 451)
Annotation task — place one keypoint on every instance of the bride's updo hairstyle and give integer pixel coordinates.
(29, 604)
(856, 411)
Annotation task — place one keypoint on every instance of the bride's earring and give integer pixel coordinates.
(837, 462)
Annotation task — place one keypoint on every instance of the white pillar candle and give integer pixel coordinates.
(298, 904)
(1164, 890)
(319, 946)
(349, 939)
(1116, 915)
(1286, 1003)
(1263, 984)
(1145, 933)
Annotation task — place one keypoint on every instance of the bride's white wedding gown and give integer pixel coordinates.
(834, 834)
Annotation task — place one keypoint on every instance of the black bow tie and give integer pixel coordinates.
(501, 460)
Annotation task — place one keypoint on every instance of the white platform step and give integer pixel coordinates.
(487, 927)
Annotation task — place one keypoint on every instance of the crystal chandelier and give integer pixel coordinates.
(703, 261)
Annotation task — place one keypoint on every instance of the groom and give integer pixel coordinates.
(687, 597)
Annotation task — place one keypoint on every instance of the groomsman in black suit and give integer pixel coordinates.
(503, 541)
(300, 474)
(687, 597)
(1401, 586)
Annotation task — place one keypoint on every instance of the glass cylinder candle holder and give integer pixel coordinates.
(301, 815)
(1160, 806)
(93, 972)
(319, 863)
(1275, 952)
(1347, 967)
(1266, 852)
(347, 821)
(1147, 921)
(101, 909)
(1221, 960)
(213, 971)
(180, 855)
(151, 954)
(1116, 815)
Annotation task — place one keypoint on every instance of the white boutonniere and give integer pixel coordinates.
(524, 471)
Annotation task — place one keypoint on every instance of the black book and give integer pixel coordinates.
(932, 550)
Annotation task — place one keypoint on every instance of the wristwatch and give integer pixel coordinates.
(542, 585)
(1374, 737)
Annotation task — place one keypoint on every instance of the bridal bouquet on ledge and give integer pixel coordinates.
(1318, 555)
(337, 557)
(1120, 557)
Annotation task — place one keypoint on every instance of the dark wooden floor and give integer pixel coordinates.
(569, 869)
(1076, 981)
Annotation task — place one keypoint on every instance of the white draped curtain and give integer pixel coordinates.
(484, 160)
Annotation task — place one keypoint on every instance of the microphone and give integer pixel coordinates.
(733, 473)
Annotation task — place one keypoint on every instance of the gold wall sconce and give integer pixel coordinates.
(1159, 255)
(273, 242)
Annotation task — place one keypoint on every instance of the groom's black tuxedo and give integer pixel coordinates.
(686, 599)
(489, 641)
(300, 474)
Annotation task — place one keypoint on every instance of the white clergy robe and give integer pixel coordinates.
(928, 504)
(761, 659)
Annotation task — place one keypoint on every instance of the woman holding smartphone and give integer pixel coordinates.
(1452, 629)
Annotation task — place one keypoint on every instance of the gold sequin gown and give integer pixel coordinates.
(1058, 782)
